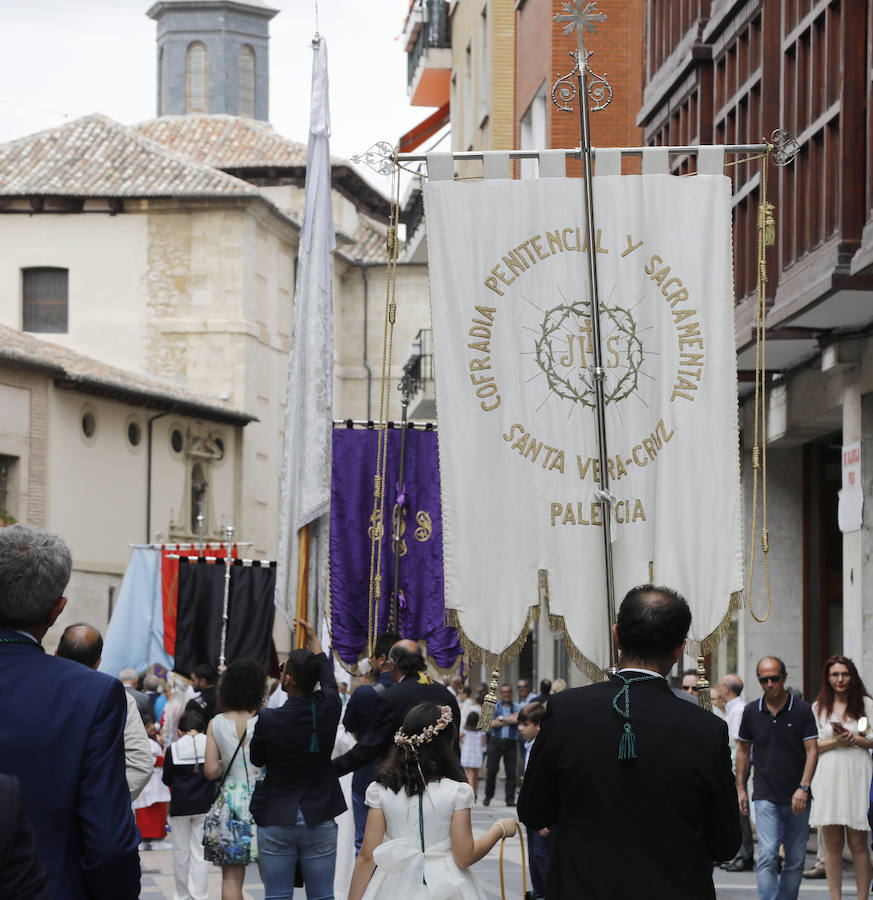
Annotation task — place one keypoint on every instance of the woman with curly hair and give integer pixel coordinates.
(228, 756)
(842, 778)
(295, 805)
(418, 829)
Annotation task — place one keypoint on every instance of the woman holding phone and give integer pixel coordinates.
(841, 784)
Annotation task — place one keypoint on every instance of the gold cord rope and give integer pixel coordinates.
(377, 526)
(523, 864)
(766, 238)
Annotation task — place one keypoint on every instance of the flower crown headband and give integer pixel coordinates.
(414, 741)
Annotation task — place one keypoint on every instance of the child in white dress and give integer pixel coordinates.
(419, 838)
(472, 750)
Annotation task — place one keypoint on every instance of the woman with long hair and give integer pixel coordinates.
(841, 784)
(418, 828)
(241, 691)
(295, 805)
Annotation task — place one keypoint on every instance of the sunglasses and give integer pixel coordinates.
(766, 679)
(690, 687)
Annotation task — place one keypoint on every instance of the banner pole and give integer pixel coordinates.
(302, 585)
(228, 562)
(598, 371)
(407, 387)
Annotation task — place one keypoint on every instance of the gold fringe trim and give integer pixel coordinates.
(488, 658)
(720, 632)
(492, 660)
(556, 623)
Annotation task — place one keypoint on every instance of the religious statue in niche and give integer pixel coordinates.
(200, 451)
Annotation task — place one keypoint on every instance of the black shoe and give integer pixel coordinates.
(740, 865)
(510, 802)
(486, 801)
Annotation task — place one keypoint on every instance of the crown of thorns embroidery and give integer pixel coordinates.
(413, 741)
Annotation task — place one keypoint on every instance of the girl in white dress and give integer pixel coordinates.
(419, 838)
(841, 784)
(472, 749)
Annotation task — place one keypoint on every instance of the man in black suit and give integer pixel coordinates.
(638, 783)
(412, 686)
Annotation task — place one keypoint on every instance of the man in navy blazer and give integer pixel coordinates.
(61, 732)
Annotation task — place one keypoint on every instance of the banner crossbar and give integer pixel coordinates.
(576, 152)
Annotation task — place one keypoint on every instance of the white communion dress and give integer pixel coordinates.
(403, 869)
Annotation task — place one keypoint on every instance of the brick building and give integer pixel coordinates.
(727, 72)
(542, 56)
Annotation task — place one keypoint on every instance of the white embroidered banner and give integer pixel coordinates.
(518, 450)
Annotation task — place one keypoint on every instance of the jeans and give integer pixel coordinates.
(777, 823)
(280, 847)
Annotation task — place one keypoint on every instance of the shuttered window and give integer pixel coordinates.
(45, 300)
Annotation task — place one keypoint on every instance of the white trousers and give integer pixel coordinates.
(190, 868)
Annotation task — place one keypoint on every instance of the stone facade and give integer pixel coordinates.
(95, 490)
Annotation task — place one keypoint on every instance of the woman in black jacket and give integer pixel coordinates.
(294, 806)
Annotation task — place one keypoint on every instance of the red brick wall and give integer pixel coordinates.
(543, 52)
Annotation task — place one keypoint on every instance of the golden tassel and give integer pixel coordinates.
(489, 703)
(704, 700)
(767, 223)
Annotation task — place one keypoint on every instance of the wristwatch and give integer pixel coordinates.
(804, 788)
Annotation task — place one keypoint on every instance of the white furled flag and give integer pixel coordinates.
(305, 480)
(513, 351)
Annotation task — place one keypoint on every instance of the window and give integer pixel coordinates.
(89, 424)
(162, 82)
(484, 87)
(45, 300)
(8, 489)
(467, 133)
(533, 131)
(197, 68)
(246, 81)
(133, 432)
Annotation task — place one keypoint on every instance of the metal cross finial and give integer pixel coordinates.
(564, 89)
(579, 16)
(783, 147)
(379, 158)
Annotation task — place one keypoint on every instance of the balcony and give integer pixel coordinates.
(418, 368)
(428, 53)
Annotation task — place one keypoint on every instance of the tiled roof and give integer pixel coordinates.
(78, 372)
(249, 146)
(97, 157)
(368, 245)
(224, 141)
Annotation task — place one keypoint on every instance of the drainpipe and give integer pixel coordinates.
(148, 539)
(363, 267)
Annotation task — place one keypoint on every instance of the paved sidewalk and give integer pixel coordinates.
(157, 867)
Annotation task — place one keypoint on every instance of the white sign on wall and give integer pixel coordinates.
(851, 497)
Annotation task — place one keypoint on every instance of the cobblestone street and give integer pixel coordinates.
(157, 882)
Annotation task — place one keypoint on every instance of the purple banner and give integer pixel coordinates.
(421, 550)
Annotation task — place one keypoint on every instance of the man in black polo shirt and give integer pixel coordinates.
(780, 730)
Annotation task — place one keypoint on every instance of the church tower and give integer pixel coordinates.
(213, 57)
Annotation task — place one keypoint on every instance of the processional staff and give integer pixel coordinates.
(580, 18)
(228, 562)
